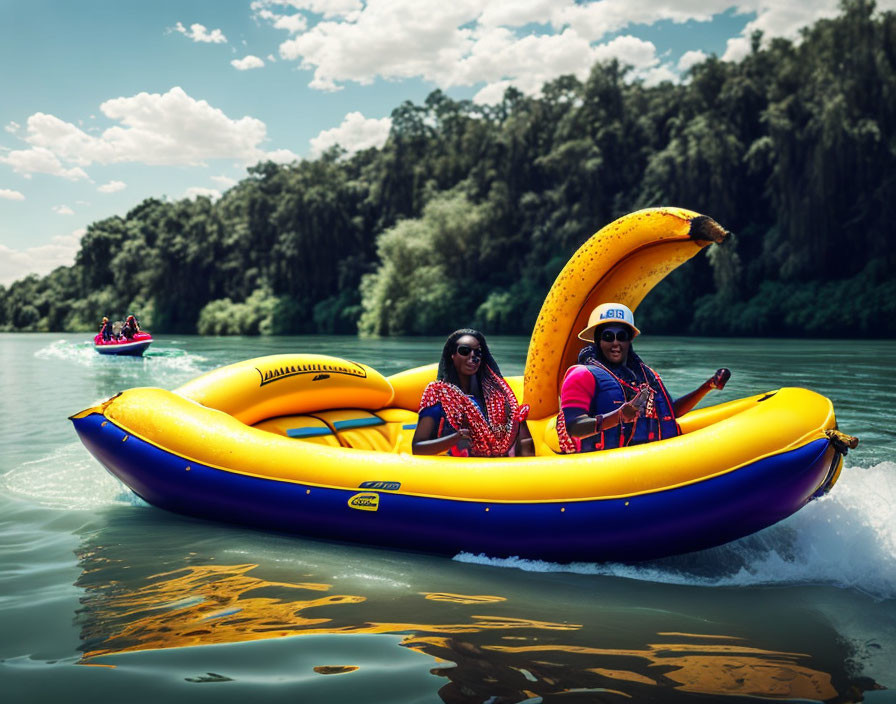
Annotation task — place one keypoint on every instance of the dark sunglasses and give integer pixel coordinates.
(610, 336)
(466, 350)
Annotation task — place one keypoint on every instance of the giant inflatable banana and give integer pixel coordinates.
(621, 263)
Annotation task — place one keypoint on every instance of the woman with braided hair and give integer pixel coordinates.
(470, 410)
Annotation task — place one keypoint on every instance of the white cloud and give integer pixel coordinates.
(541, 58)
(326, 8)
(16, 264)
(63, 210)
(168, 129)
(354, 134)
(199, 33)
(498, 55)
(247, 63)
(736, 48)
(61, 139)
(112, 187)
(517, 13)
(280, 156)
(594, 20)
(197, 191)
(8, 194)
(12, 127)
(40, 160)
(629, 50)
(690, 59)
(397, 39)
(492, 93)
(658, 74)
(224, 181)
(291, 23)
(468, 42)
(641, 56)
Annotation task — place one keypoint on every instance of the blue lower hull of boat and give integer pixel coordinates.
(645, 526)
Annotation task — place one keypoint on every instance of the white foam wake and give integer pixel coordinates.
(846, 539)
(68, 478)
(160, 361)
(80, 352)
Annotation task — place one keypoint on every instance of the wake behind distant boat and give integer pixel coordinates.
(322, 446)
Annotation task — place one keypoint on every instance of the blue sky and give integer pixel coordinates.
(105, 103)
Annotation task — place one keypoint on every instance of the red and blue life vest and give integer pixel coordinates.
(611, 391)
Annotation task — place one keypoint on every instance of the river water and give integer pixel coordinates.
(102, 595)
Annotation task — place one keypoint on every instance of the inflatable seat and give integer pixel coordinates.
(387, 430)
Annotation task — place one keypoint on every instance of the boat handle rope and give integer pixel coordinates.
(842, 442)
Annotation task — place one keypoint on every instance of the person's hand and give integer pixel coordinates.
(643, 397)
(719, 379)
(632, 409)
(463, 439)
(628, 412)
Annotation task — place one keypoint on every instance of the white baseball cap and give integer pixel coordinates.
(609, 313)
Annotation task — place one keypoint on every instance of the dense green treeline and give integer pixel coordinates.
(467, 213)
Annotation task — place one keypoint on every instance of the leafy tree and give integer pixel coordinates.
(468, 212)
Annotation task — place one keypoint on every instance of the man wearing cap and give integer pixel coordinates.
(611, 398)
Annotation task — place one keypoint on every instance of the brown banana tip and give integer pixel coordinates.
(705, 229)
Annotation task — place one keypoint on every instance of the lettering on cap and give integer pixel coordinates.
(615, 313)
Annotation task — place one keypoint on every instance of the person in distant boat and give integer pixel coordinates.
(470, 410)
(106, 329)
(611, 398)
(130, 327)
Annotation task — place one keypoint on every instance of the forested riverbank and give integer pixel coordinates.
(468, 212)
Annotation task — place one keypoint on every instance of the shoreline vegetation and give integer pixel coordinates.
(468, 212)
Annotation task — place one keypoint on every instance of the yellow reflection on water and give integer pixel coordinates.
(709, 668)
(206, 604)
(463, 598)
(621, 675)
(210, 603)
(202, 605)
(334, 669)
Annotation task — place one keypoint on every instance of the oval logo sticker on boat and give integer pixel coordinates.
(365, 502)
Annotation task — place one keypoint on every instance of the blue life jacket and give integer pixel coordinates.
(610, 394)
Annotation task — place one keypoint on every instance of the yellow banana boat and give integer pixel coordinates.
(322, 446)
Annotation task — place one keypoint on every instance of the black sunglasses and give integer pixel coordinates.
(465, 350)
(610, 336)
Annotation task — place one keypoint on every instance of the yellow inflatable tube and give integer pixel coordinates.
(210, 419)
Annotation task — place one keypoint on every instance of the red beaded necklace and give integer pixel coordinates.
(490, 437)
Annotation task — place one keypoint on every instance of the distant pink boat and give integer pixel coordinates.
(133, 347)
